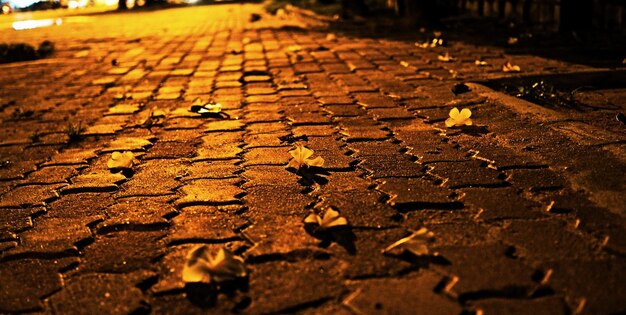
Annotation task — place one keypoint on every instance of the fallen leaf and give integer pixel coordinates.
(512, 40)
(331, 219)
(201, 266)
(331, 37)
(121, 161)
(445, 58)
(404, 64)
(302, 157)
(458, 119)
(416, 244)
(509, 67)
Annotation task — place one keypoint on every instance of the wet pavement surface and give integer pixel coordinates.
(525, 208)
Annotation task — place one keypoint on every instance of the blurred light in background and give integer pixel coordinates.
(30, 24)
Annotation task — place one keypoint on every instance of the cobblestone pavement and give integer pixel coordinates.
(526, 208)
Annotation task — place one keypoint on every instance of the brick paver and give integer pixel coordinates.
(526, 208)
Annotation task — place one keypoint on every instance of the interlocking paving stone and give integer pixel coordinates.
(281, 237)
(596, 286)
(154, 178)
(262, 175)
(82, 205)
(501, 203)
(267, 156)
(18, 219)
(466, 174)
(550, 239)
(22, 289)
(94, 182)
(72, 157)
(364, 133)
(415, 192)
(54, 235)
(204, 223)
(538, 306)
(135, 213)
(16, 170)
(122, 252)
(128, 144)
(101, 294)
(172, 150)
(301, 283)
(536, 179)
(283, 200)
(219, 146)
(485, 271)
(392, 165)
(314, 131)
(507, 246)
(210, 170)
(362, 254)
(390, 113)
(31, 195)
(503, 158)
(412, 294)
(460, 232)
(210, 192)
(51, 175)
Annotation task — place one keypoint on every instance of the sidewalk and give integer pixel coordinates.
(526, 207)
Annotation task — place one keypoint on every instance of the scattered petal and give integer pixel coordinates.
(302, 157)
(331, 219)
(201, 266)
(508, 67)
(121, 161)
(458, 119)
(415, 244)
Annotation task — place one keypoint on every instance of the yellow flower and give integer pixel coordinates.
(201, 266)
(121, 160)
(302, 156)
(330, 219)
(458, 119)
